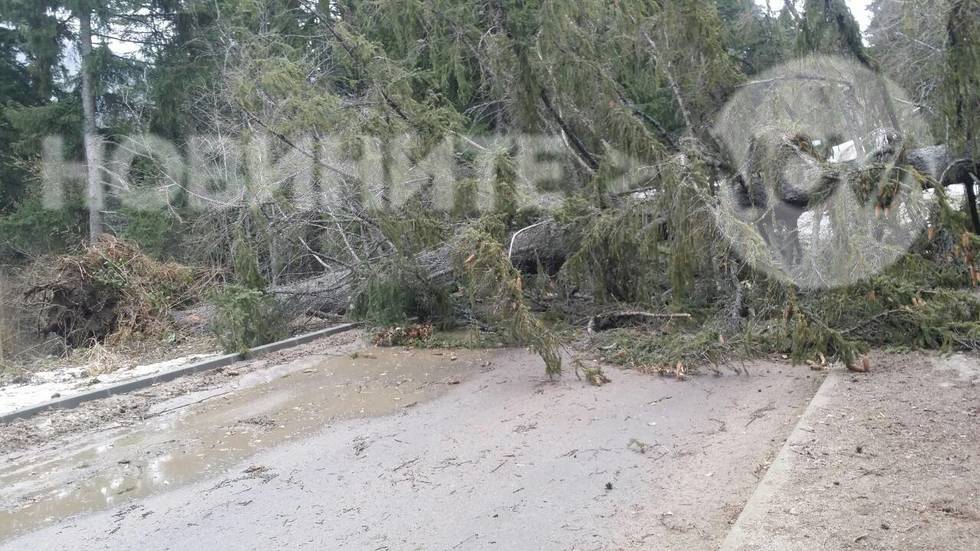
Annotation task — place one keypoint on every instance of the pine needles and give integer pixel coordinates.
(496, 288)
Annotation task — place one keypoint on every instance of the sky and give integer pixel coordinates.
(862, 12)
(860, 9)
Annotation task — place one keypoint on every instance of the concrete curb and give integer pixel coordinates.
(778, 473)
(69, 402)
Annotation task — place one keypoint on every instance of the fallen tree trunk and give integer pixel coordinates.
(333, 292)
(540, 246)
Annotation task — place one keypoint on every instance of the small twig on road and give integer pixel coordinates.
(405, 464)
(760, 413)
(458, 545)
(206, 398)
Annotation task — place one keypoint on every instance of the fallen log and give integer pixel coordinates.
(540, 246)
(333, 292)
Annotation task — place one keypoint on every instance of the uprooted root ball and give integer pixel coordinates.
(110, 290)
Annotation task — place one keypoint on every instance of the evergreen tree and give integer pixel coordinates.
(962, 82)
(30, 53)
(15, 89)
(908, 38)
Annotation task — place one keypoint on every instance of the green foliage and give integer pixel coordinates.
(917, 303)
(397, 295)
(33, 230)
(828, 27)
(25, 93)
(155, 232)
(383, 302)
(504, 186)
(644, 248)
(677, 349)
(37, 33)
(493, 282)
(413, 228)
(619, 253)
(807, 337)
(246, 318)
(431, 38)
(246, 263)
(14, 88)
(756, 38)
(465, 199)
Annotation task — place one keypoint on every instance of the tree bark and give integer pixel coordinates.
(541, 245)
(93, 145)
(971, 205)
(957, 16)
(333, 292)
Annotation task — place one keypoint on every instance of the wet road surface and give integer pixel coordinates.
(417, 451)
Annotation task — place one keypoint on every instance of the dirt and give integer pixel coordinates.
(885, 460)
(503, 459)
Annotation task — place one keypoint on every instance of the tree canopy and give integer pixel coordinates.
(628, 91)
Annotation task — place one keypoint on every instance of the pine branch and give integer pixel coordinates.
(675, 89)
(576, 143)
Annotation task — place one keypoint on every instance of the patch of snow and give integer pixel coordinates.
(60, 383)
(844, 152)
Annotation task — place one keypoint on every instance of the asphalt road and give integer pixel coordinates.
(501, 460)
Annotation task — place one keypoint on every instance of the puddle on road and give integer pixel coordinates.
(206, 439)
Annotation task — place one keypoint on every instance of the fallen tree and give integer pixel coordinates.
(558, 244)
(544, 244)
(333, 292)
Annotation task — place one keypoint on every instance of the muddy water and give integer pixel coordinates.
(198, 440)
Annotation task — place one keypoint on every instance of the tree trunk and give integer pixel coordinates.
(971, 204)
(541, 245)
(334, 291)
(956, 19)
(93, 144)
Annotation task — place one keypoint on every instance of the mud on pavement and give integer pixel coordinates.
(504, 459)
(125, 410)
(206, 430)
